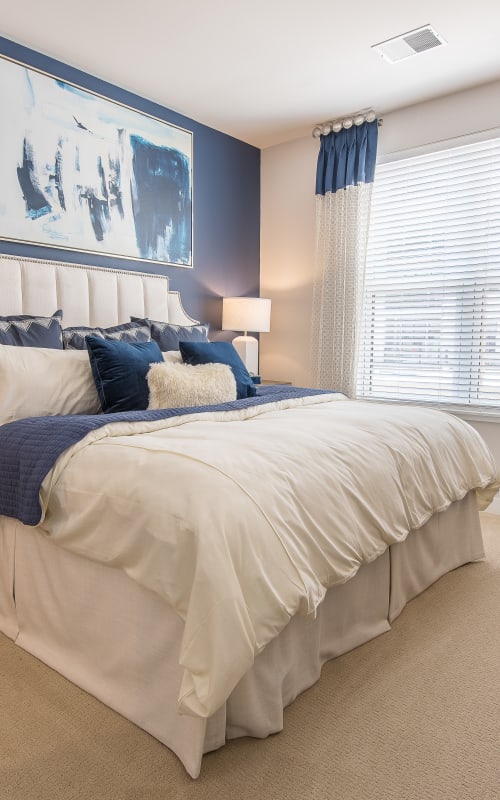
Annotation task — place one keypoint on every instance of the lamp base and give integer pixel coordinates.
(247, 348)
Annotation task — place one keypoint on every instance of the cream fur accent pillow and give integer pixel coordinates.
(184, 385)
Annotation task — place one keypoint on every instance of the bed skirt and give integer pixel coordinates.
(120, 642)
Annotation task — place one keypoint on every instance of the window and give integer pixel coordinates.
(431, 328)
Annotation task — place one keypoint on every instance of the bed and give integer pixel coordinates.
(200, 618)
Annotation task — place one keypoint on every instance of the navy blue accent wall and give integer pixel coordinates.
(226, 203)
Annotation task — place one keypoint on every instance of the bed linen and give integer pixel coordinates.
(120, 642)
(307, 490)
(30, 447)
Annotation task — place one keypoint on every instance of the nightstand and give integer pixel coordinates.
(269, 382)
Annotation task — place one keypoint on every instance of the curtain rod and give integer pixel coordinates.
(324, 128)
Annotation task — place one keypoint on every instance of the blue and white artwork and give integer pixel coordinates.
(81, 172)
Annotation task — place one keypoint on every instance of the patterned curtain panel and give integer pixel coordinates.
(344, 178)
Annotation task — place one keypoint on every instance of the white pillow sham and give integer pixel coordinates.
(40, 382)
(172, 357)
(174, 385)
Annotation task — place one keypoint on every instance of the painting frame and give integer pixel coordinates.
(86, 173)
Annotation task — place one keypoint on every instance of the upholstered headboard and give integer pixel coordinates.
(88, 295)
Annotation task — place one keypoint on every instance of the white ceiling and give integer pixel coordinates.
(268, 70)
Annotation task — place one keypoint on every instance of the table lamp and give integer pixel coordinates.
(247, 314)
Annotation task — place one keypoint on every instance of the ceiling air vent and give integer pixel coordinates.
(409, 44)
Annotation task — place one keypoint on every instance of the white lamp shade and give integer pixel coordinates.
(246, 314)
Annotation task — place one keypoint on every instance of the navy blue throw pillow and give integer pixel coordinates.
(119, 370)
(25, 330)
(220, 353)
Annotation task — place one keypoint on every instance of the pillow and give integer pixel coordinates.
(119, 370)
(27, 331)
(173, 357)
(220, 353)
(40, 382)
(185, 386)
(137, 331)
(168, 336)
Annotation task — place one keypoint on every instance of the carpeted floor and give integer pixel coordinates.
(412, 715)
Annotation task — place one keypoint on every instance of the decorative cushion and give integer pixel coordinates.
(137, 331)
(168, 336)
(184, 386)
(119, 370)
(42, 382)
(220, 353)
(28, 331)
(173, 357)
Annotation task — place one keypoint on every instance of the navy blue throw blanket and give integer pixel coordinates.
(30, 447)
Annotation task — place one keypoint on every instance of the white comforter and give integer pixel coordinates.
(242, 519)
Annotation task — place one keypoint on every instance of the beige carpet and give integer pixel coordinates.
(413, 715)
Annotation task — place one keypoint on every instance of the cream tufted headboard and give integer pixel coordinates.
(87, 295)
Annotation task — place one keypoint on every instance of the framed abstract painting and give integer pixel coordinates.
(82, 172)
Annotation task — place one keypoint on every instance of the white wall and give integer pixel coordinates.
(287, 246)
(288, 224)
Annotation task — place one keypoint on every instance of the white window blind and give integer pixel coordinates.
(431, 326)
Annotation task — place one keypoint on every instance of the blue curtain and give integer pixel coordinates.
(347, 158)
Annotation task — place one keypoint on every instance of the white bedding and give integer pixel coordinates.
(242, 524)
